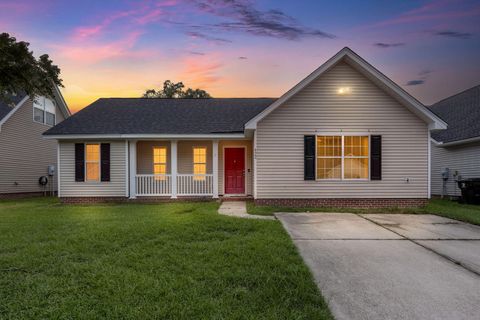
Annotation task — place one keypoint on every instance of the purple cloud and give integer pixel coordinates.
(246, 18)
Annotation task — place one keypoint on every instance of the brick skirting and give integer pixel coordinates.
(94, 200)
(344, 203)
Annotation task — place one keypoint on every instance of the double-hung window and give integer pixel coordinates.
(44, 111)
(92, 162)
(199, 163)
(159, 162)
(342, 157)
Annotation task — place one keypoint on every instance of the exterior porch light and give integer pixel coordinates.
(343, 90)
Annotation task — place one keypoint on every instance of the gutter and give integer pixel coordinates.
(458, 142)
(145, 136)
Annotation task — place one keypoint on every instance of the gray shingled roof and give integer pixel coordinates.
(162, 116)
(5, 108)
(462, 114)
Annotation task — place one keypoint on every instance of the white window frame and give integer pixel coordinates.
(35, 106)
(199, 176)
(343, 135)
(160, 176)
(99, 162)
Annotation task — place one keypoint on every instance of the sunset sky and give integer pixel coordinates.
(241, 48)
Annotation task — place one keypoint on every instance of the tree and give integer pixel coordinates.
(175, 90)
(21, 72)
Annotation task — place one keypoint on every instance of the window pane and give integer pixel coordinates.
(365, 149)
(38, 115)
(356, 146)
(199, 169)
(159, 155)
(330, 146)
(356, 168)
(49, 105)
(200, 155)
(92, 152)
(329, 168)
(50, 118)
(93, 172)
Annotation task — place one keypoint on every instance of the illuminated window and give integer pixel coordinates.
(199, 163)
(356, 152)
(342, 157)
(160, 162)
(92, 162)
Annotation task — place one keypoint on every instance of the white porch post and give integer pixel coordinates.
(173, 161)
(215, 168)
(133, 168)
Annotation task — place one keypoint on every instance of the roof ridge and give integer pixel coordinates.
(212, 98)
(454, 95)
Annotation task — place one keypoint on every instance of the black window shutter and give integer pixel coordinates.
(105, 159)
(309, 157)
(375, 157)
(79, 162)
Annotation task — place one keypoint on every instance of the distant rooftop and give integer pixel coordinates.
(462, 114)
(6, 108)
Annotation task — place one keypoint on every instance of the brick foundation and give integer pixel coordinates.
(94, 200)
(344, 203)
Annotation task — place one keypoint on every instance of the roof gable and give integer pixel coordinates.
(358, 63)
(6, 111)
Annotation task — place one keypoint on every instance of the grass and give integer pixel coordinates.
(441, 207)
(140, 261)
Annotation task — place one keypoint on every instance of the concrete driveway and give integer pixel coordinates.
(391, 266)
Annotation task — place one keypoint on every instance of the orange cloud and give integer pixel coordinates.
(96, 51)
(201, 71)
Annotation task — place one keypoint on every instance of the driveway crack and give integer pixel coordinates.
(456, 262)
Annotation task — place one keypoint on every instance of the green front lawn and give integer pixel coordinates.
(175, 261)
(446, 208)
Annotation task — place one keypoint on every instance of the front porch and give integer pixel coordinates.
(190, 168)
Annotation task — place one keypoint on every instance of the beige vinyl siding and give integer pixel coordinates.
(116, 187)
(248, 164)
(319, 109)
(465, 159)
(24, 153)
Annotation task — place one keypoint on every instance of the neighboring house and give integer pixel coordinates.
(458, 147)
(24, 153)
(346, 135)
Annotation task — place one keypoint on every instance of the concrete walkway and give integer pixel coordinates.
(389, 266)
(239, 209)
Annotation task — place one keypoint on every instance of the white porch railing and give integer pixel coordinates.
(154, 184)
(161, 185)
(195, 185)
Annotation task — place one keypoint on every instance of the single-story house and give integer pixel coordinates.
(346, 135)
(456, 151)
(25, 155)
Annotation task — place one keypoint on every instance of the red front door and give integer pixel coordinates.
(234, 171)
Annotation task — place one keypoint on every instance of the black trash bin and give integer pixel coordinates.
(470, 190)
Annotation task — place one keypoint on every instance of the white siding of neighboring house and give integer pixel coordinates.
(465, 159)
(280, 146)
(116, 187)
(24, 153)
